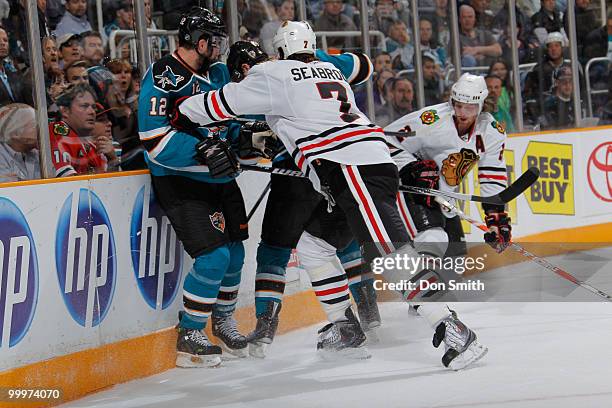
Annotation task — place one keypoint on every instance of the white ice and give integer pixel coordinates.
(552, 355)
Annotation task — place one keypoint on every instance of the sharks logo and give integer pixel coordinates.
(168, 77)
(218, 221)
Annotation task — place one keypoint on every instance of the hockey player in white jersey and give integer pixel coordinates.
(451, 138)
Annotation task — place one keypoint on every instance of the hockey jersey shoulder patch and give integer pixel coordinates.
(61, 129)
(429, 117)
(170, 75)
(499, 126)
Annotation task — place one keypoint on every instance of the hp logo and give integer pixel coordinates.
(157, 255)
(85, 258)
(18, 275)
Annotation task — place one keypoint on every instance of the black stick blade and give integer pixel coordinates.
(521, 184)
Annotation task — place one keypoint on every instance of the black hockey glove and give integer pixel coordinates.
(180, 121)
(421, 173)
(217, 155)
(500, 231)
(253, 140)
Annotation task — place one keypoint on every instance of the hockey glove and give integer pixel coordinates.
(216, 154)
(500, 231)
(421, 173)
(180, 121)
(252, 140)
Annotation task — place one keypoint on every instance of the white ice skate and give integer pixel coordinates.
(461, 345)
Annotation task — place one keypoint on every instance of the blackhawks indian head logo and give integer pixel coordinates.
(218, 221)
(429, 116)
(457, 165)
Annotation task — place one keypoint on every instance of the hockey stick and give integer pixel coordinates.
(509, 194)
(521, 250)
(259, 200)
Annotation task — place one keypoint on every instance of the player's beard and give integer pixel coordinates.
(205, 61)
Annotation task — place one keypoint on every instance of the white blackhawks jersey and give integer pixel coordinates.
(310, 106)
(437, 139)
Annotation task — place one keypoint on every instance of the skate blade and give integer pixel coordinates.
(349, 353)
(229, 353)
(186, 360)
(258, 349)
(471, 355)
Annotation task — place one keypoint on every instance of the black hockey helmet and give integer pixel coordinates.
(197, 23)
(244, 52)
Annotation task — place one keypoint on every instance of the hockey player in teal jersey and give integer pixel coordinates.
(296, 199)
(193, 176)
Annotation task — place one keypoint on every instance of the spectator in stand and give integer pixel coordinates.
(478, 47)
(103, 135)
(378, 92)
(484, 15)
(399, 46)
(74, 20)
(559, 107)
(285, 10)
(76, 73)
(382, 61)
(538, 82)
(386, 12)
(93, 50)
(124, 19)
(332, 19)
(18, 143)
(440, 20)
(547, 20)
(124, 115)
(501, 69)
(586, 21)
(432, 82)
(73, 148)
(70, 49)
(400, 103)
(429, 44)
(16, 24)
(257, 13)
(527, 41)
(494, 85)
(599, 41)
(11, 86)
(54, 11)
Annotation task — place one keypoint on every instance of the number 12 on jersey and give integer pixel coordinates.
(327, 89)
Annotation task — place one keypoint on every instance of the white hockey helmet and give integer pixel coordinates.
(294, 37)
(470, 89)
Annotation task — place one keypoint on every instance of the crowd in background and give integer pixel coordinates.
(92, 96)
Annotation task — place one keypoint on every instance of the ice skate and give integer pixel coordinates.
(343, 339)
(234, 343)
(461, 345)
(369, 316)
(263, 335)
(195, 350)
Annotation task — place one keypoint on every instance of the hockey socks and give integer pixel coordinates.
(270, 276)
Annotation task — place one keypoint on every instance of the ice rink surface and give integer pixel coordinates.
(552, 355)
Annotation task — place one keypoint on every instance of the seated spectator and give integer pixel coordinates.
(501, 69)
(378, 92)
(527, 40)
(11, 87)
(70, 49)
(257, 13)
(440, 20)
(478, 47)
(74, 20)
(103, 136)
(599, 41)
(429, 44)
(494, 85)
(123, 100)
(93, 50)
(54, 76)
(54, 11)
(484, 15)
(332, 19)
(382, 61)
(285, 10)
(400, 102)
(76, 73)
(73, 149)
(547, 20)
(17, 24)
(124, 19)
(559, 107)
(586, 21)
(385, 13)
(18, 143)
(432, 82)
(399, 46)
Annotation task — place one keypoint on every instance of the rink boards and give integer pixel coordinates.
(92, 270)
